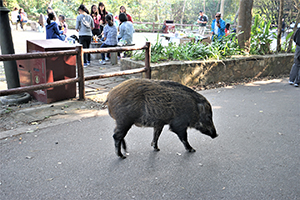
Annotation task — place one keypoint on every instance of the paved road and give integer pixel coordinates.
(256, 155)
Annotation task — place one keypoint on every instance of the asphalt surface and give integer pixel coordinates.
(256, 155)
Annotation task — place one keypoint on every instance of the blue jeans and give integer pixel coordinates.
(104, 46)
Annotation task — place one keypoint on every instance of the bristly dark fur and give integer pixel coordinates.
(151, 103)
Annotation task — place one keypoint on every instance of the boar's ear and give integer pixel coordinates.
(201, 108)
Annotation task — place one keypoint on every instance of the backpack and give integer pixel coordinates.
(85, 22)
(23, 17)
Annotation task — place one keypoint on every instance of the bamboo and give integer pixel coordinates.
(148, 60)
(37, 87)
(80, 72)
(8, 57)
(113, 49)
(108, 75)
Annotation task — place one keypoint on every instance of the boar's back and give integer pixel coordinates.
(148, 103)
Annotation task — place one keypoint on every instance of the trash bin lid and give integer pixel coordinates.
(52, 44)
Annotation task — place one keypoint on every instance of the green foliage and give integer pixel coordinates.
(218, 49)
(270, 10)
(261, 37)
(285, 44)
(144, 27)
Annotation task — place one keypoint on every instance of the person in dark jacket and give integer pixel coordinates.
(295, 71)
(52, 31)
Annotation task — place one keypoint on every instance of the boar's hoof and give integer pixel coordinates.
(155, 146)
(156, 149)
(192, 150)
(122, 156)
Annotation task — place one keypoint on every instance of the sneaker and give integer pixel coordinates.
(102, 62)
(291, 82)
(106, 59)
(296, 85)
(88, 63)
(85, 65)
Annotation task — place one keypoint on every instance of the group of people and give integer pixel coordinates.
(98, 22)
(218, 26)
(55, 30)
(18, 16)
(102, 24)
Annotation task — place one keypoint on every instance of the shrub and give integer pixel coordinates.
(218, 49)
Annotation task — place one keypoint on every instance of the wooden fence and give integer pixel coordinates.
(156, 27)
(79, 51)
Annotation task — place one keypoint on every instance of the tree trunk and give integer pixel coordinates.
(236, 16)
(50, 3)
(244, 23)
(297, 5)
(204, 6)
(182, 16)
(280, 25)
(157, 11)
(222, 8)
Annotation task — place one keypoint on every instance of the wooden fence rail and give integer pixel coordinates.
(80, 72)
(151, 23)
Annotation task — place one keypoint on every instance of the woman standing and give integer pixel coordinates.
(84, 25)
(96, 17)
(102, 12)
(123, 10)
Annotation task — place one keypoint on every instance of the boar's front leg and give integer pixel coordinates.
(182, 134)
(119, 134)
(156, 134)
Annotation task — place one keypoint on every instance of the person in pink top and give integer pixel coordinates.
(96, 17)
(123, 10)
(62, 24)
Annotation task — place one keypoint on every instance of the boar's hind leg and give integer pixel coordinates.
(156, 134)
(182, 134)
(119, 134)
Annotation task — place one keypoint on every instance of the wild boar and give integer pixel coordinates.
(150, 103)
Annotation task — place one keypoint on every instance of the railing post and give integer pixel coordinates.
(153, 27)
(80, 72)
(148, 60)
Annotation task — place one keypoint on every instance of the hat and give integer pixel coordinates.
(200, 11)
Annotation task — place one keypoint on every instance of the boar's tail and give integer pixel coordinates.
(105, 102)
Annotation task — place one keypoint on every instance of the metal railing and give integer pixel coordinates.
(79, 51)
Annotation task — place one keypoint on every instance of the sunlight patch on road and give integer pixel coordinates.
(258, 83)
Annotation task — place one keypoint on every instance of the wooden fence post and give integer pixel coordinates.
(153, 27)
(148, 60)
(80, 72)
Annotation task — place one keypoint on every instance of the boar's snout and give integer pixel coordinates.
(208, 131)
(212, 133)
(205, 124)
(214, 136)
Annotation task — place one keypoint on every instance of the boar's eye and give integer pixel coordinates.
(201, 108)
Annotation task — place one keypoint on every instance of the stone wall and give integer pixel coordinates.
(205, 72)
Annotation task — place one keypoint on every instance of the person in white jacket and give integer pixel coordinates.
(14, 16)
